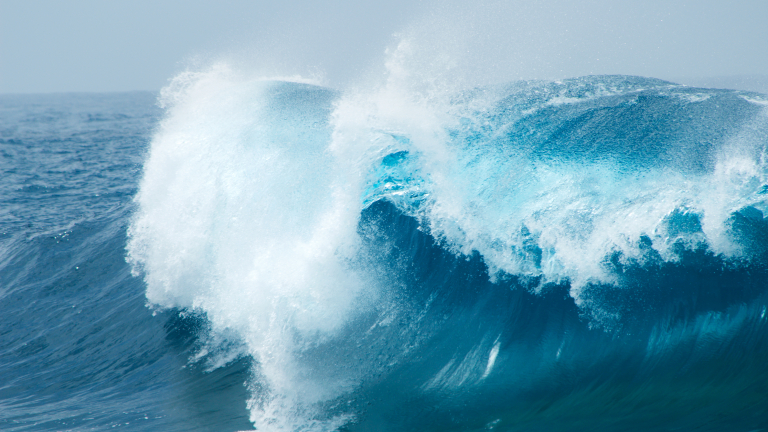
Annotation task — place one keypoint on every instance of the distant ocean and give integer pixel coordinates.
(588, 254)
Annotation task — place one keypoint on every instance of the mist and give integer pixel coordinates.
(87, 45)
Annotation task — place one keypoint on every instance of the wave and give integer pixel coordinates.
(526, 256)
(79, 350)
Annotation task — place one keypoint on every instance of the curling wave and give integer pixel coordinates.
(528, 256)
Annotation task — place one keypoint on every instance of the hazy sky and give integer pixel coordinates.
(119, 45)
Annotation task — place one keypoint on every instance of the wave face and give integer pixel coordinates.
(589, 253)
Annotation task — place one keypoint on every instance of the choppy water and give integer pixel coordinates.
(590, 254)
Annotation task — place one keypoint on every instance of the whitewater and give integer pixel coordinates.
(244, 252)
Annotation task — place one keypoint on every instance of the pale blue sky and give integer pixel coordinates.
(120, 45)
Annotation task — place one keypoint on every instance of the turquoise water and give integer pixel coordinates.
(588, 254)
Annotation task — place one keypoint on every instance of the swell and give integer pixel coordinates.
(591, 253)
(79, 349)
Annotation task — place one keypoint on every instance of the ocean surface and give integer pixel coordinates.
(588, 254)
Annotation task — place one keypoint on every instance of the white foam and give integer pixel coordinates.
(245, 214)
(692, 97)
(483, 198)
(757, 100)
(252, 223)
(491, 359)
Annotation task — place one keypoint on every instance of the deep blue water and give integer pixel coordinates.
(79, 349)
(590, 254)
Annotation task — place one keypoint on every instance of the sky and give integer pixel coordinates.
(121, 45)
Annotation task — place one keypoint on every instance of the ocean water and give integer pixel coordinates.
(233, 253)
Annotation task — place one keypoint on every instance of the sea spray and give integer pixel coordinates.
(452, 299)
(244, 217)
(414, 240)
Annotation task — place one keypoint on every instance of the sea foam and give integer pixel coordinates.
(252, 193)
